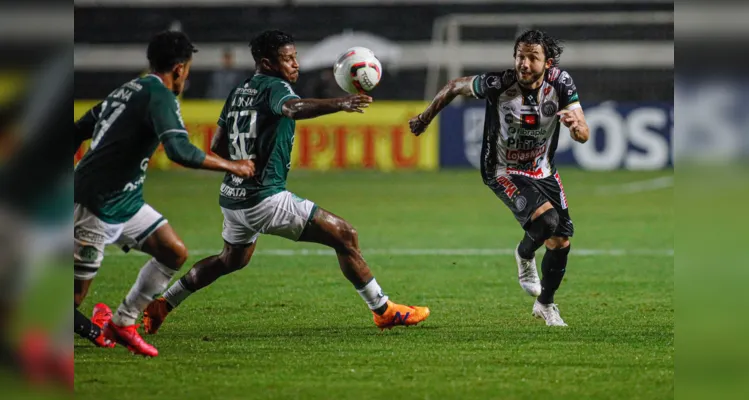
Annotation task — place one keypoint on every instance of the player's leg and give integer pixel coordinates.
(206, 271)
(150, 233)
(90, 237)
(328, 229)
(538, 219)
(239, 244)
(554, 264)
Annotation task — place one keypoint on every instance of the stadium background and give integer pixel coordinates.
(289, 326)
(619, 53)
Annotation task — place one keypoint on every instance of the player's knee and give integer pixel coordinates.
(348, 238)
(557, 243)
(176, 255)
(545, 225)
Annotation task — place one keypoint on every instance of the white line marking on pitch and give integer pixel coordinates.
(637, 187)
(429, 252)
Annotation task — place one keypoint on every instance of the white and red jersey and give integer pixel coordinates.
(521, 127)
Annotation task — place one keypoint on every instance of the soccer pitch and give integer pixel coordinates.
(290, 325)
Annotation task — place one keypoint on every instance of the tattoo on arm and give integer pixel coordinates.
(454, 88)
(310, 108)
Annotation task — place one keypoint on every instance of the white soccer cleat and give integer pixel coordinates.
(549, 313)
(528, 275)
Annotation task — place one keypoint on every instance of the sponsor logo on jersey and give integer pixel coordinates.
(233, 193)
(236, 180)
(523, 156)
(131, 186)
(530, 121)
(512, 92)
(509, 188)
(88, 236)
(549, 108)
(245, 92)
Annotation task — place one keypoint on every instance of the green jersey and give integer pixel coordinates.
(130, 123)
(257, 130)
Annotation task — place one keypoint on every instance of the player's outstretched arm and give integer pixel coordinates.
(179, 149)
(311, 108)
(454, 88)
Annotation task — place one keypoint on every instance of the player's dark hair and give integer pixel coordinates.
(168, 48)
(266, 45)
(552, 47)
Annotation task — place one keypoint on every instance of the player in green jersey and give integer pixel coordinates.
(125, 130)
(257, 123)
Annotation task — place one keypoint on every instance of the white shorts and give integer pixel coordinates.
(91, 235)
(284, 214)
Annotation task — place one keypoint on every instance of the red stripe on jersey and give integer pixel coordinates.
(562, 195)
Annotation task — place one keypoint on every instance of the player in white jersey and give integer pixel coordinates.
(524, 108)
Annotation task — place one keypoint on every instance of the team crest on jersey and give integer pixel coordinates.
(493, 81)
(549, 108)
(565, 78)
(520, 203)
(509, 118)
(512, 92)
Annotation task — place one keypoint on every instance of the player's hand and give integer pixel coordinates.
(418, 125)
(244, 168)
(355, 103)
(569, 119)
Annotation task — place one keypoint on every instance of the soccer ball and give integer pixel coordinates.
(357, 70)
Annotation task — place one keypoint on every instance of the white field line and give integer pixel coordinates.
(428, 252)
(637, 186)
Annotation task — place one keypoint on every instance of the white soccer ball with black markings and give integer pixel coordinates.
(357, 70)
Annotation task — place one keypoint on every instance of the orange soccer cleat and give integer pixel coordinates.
(128, 336)
(100, 316)
(154, 315)
(397, 314)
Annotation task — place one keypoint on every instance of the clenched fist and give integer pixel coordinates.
(418, 125)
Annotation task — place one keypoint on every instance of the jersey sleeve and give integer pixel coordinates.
(85, 125)
(280, 92)
(165, 115)
(568, 97)
(486, 83)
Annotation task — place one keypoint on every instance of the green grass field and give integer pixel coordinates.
(289, 326)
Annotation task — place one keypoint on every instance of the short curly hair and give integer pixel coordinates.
(552, 47)
(168, 48)
(266, 45)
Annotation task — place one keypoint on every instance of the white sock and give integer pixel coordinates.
(372, 295)
(176, 294)
(152, 280)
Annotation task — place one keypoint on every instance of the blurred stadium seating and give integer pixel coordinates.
(620, 54)
(109, 45)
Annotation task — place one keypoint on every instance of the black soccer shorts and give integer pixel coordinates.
(523, 195)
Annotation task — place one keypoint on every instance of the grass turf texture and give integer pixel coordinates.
(293, 327)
